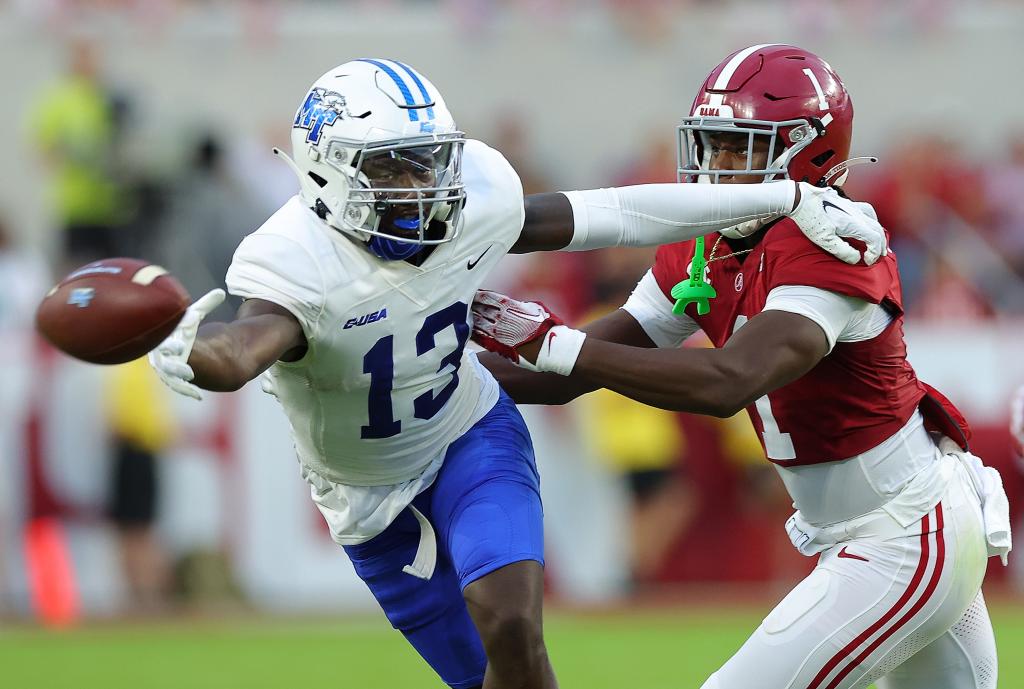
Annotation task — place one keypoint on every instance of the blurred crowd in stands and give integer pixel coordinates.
(957, 225)
(644, 23)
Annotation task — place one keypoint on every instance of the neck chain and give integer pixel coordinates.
(714, 247)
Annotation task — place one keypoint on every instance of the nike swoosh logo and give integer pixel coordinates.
(535, 317)
(551, 339)
(472, 264)
(850, 556)
(827, 204)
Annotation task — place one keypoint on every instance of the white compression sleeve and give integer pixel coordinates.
(652, 214)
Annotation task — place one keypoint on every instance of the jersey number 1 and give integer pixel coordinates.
(379, 362)
(777, 445)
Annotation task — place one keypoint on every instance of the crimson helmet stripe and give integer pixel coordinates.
(725, 76)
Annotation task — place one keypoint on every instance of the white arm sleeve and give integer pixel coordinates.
(278, 269)
(653, 311)
(652, 214)
(842, 318)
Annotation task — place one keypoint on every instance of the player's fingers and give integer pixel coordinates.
(186, 389)
(208, 302)
(878, 244)
(872, 251)
(871, 234)
(486, 320)
(867, 209)
(182, 371)
(492, 344)
(840, 249)
(486, 316)
(486, 296)
(491, 301)
(486, 341)
(175, 383)
(178, 369)
(172, 346)
(483, 328)
(484, 307)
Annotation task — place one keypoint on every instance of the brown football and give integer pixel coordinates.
(112, 311)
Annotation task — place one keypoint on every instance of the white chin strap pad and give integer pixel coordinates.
(744, 229)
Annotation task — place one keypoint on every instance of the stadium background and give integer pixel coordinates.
(664, 532)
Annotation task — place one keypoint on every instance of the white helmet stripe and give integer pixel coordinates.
(725, 75)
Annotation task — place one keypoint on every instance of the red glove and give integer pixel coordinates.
(502, 324)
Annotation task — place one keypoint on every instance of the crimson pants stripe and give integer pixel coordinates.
(912, 588)
(940, 556)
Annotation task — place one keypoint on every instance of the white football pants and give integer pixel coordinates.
(900, 607)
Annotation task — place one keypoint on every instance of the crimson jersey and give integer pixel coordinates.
(861, 393)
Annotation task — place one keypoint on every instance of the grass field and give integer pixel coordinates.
(660, 650)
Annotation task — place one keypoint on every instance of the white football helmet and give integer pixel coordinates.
(379, 157)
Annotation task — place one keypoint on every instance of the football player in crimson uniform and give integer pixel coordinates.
(900, 515)
(357, 307)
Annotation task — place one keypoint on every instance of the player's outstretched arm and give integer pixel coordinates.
(771, 350)
(654, 214)
(225, 356)
(774, 348)
(646, 215)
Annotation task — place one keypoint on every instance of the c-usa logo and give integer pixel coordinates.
(321, 108)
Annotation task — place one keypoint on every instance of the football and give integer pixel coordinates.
(112, 311)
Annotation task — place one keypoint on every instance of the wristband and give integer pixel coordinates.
(560, 349)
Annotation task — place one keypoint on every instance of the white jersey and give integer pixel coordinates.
(386, 384)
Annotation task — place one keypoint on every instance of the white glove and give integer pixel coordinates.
(502, 324)
(170, 358)
(826, 218)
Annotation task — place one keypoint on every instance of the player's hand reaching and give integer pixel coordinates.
(525, 333)
(826, 218)
(170, 358)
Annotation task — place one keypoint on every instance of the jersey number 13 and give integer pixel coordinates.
(379, 362)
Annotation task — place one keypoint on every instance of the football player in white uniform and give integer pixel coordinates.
(357, 296)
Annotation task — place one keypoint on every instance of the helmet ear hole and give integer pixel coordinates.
(321, 182)
(822, 158)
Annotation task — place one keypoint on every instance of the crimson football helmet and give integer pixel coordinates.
(781, 94)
